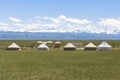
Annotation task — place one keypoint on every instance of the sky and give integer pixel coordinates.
(91, 16)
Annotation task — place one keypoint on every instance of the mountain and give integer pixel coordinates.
(56, 36)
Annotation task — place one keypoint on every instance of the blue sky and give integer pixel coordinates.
(91, 9)
(98, 13)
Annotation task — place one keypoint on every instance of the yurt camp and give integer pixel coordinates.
(13, 46)
(43, 47)
(104, 46)
(90, 46)
(69, 46)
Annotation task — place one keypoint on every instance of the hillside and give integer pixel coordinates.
(56, 36)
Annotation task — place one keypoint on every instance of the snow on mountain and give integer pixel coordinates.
(56, 36)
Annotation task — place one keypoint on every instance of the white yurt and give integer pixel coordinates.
(104, 46)
(43, 47)
(57, 44)
(69, 46)
(39, 42)
(13, 46)
(49, 42)
(90, 46)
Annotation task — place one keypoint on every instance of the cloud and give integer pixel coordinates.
(110, 22)
(4, 27)
(63, 24)
(50, 24)
(4, 24)
(15, 19)
(110, 25)
(64, 19)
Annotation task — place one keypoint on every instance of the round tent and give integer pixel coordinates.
(39, 42)
(104, 46)
(57, 44)
(50, 43)
(90, 46)
(69, 46)
(43, 47)
(13, 46)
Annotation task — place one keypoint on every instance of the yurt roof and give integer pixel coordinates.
(13, 45)
(57, 42)
(69, 45)
(44, 42)
(43, 46)
(39, 42)
(104, 44)
(49, 41)
(90, 44)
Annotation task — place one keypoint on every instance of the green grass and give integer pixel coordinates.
(57, 64)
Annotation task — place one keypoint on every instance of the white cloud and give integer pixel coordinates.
(4, 24)
(49, 24)
(77, 21)
(4, 27)
(63, 24)
(110, 25)
(110, 22)
(15, 19)
(64, 19)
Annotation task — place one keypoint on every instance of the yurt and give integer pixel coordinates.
(50, 43)
(39, 42)
(90, 46)
(44, 42)
(104, 46)
(57, 44)
(69, 46)
(13, 46)
(43, 47)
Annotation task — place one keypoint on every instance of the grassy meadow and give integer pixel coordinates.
(56, 64)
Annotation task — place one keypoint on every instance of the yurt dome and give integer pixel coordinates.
(13, 46)
(69, 46)
(104, 46)
(57, 44)
(90, 46)
(43, 47)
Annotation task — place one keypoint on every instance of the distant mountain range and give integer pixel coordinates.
(56, 36)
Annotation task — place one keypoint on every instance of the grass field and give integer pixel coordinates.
(57, 64)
